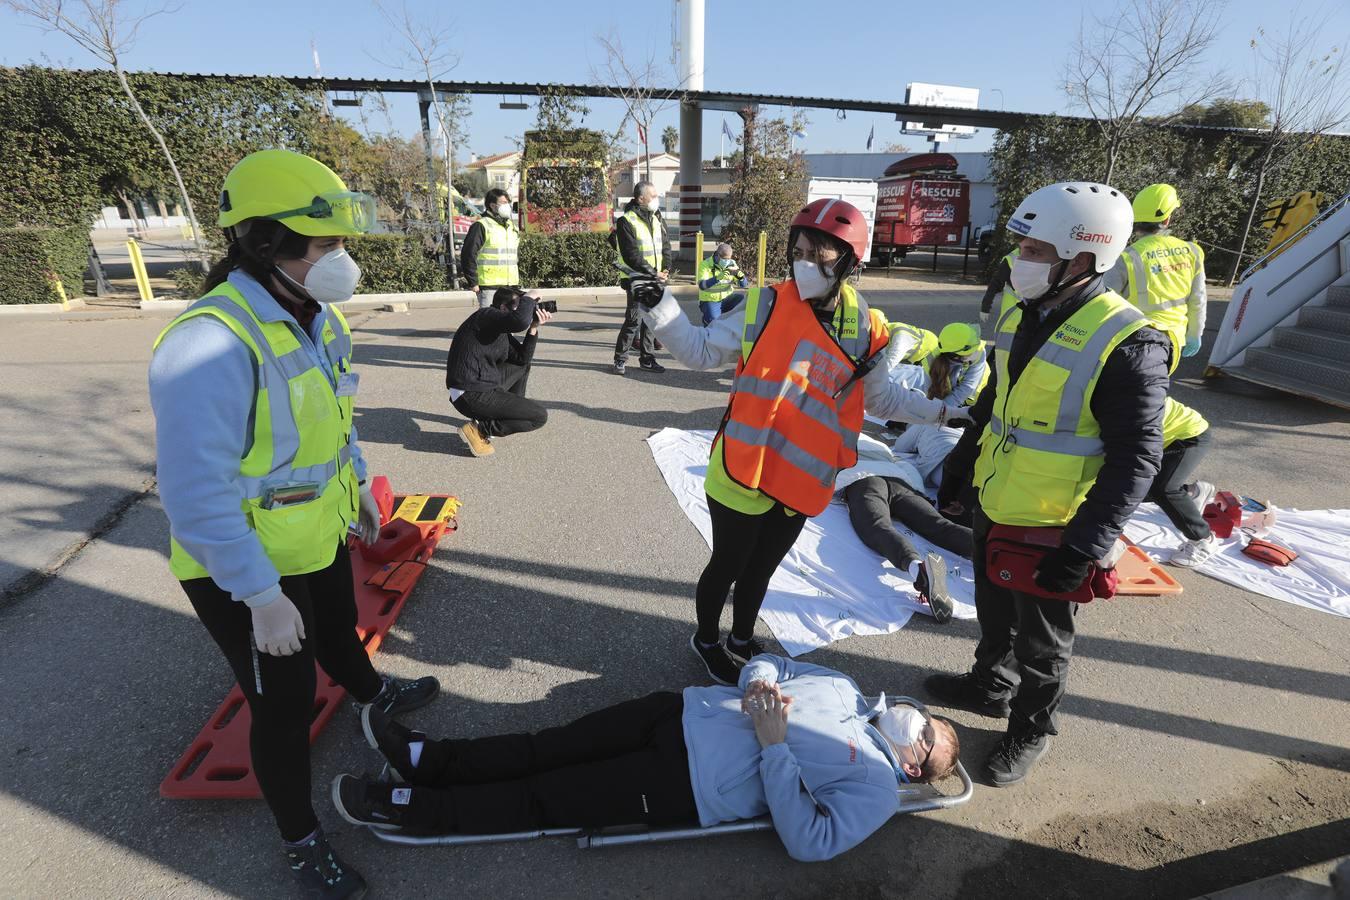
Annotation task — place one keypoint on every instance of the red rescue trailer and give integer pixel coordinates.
(921, 202)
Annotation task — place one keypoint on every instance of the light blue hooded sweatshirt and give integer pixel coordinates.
(833, 782)
(202, 390)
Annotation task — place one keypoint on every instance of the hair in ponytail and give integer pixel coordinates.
(255, 246)
(940, 370)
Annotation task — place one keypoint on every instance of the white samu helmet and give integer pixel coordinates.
(1077, 217)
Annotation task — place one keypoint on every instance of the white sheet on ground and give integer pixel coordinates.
(1318, 579)
(830, 585)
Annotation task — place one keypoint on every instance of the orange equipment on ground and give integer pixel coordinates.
(216, 764)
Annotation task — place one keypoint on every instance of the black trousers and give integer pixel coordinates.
(634, 325)
(504, 410)
(280, 689)
(1025, 645)
(1180, 461)
(745, 551)
(624, 765)
(875, 500)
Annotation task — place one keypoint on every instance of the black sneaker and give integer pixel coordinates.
(651, 365)
(931, 583)
(747, 651)
(1013, 757)
(391, 739)
(400, 695)
(321, 873)
(722, 667)
(620, 366)
(364, 801)
(965, 691)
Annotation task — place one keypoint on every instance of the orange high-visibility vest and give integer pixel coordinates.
(795, 412)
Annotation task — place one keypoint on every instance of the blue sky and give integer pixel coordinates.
(1012, 52)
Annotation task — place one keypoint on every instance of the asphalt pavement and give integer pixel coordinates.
(1204, 740)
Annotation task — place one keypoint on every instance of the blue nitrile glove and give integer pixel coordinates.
(1192, 347)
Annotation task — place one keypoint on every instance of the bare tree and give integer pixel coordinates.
(1299, 79)
(428, 50)
(1142, 60)
(638, 84)
(103, 29)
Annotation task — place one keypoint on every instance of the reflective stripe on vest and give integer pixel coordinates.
(725, 283)
(1181, 423)
(795, 412)
(925, 341)
(498, 257)
(1043, 447)
(300, 432)
(648, 244)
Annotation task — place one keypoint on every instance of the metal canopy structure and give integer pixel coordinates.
(725, 100)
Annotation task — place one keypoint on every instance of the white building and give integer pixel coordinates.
(502, 170)
(665, 175)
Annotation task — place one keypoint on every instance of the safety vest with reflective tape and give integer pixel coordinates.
(301, 434)
(1181, 423)
(959, 371)
(1043, 449)
(726, 282)
(925, 341)
(796, 408)
(497, 258)
(1159, 273)
(648, 242)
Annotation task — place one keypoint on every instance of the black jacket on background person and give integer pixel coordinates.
(1127, 404)
(1000, 279)
(485, 342)
(629, 246)
(468, 251)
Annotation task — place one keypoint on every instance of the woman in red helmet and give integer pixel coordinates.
(806, 353)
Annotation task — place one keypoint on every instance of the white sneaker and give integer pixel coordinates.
(1194, 553)
(1204, 493)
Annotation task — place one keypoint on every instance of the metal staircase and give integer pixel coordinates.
(1288, 324)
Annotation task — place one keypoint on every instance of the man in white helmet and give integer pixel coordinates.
(1068, 436)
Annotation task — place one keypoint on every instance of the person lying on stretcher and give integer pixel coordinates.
(795, 741)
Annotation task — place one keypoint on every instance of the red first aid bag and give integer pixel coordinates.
(1013, 552)
(1224, 514)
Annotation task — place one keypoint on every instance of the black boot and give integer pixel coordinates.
(1013, 757)
(320, 872)
(966, 692)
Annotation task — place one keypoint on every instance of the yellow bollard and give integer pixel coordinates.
(698, 252)
(60, 291)
(138, 267)
(762, 239)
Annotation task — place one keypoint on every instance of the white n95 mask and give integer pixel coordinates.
(813, 281)
(901, 725)
(1030, 280)
(332, 277)
(504, 211)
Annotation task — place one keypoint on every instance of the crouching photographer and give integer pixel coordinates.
(488, 367)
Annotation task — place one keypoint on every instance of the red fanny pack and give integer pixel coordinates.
(1266, 552)
(1013, 553)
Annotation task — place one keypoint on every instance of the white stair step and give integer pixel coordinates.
(1314, 372)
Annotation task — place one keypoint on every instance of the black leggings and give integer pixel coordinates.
(745, 550)
(280, 689)
(1180, 461)
(624, 765)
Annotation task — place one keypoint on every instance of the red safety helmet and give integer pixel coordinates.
(837, 218)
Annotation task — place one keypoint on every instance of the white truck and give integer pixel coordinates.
(861, 192)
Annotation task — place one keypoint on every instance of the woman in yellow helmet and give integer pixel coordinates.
(261, 475)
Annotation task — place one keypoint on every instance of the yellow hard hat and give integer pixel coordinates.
(1155, 203)
(297, 190)
(958, 338)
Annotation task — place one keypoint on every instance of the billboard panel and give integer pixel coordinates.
(919, 93)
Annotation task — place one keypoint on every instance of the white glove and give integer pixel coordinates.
(277, 627)
(984, 318)
(368, 518)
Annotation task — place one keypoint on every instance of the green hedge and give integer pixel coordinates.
(30, 258)
(582, 259)
(394, 264)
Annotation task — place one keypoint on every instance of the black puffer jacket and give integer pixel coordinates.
(485, 342)
(1128, 404)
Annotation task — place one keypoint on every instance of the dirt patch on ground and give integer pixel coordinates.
(1297, 814)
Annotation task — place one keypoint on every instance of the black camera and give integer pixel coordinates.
(548, 306)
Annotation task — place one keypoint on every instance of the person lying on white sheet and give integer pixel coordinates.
(795, 741)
